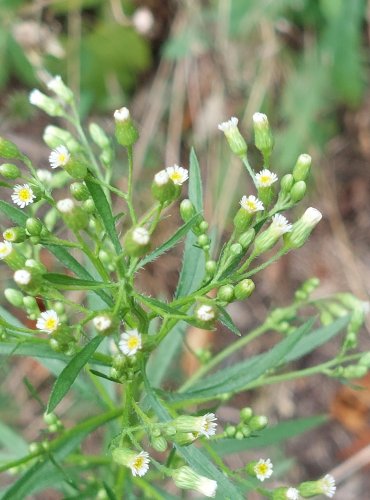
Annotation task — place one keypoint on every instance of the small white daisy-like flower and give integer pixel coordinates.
(177, 174)
(130, 342)
(44, 175)
(59, 157)
(229, 125)
(141, 236)
(22, 277)
(263, 469)
(205, 313)
(22, 195)
(5, 249)
(265, 178)
(292, 494)
(312, 216)
(251, 204)
(102, 322)
(327, 484)
(161, 178)
(207, 487)
(65, 206)
(48, 321)
(121, 115)
(139, 464)
(281, 224)
(36, 97)
(208, 425)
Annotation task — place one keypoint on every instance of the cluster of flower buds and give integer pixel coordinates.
(249, 423)
(53, 422)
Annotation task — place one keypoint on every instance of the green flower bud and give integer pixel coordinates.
(8, 150)
(354, 371)
(10, 255)
(88, 206)
(34, 226)
(326, 318)
(302, 167)
(325, 486)
(76, 168)
(302, 229)
(234, 138)
(244, 289)
(310, 285)
(159, 443)
(163, 188)
(246, 238)
(57, 86)
(50, 418)
(15, 234)
(298, 191)
(170, 430)
(336, 309)
(365, 360)
(245, 430)
(246, 414)
(187, 479)
(99, 136)
(262, 135)
(236, 249)
(285, 493)
(225, 293)
(205, 315)
(239, 435)
(126, 132)
(203, 226)
(258, 422)
(286, 183)
(242, 220)
(203, 240)
(56, 136)
(31, 306)
(9, 171)
(79, 191)
(27, 279)
(50, 106)
(74, 217)
(15, 297)
(230, 431)
(211, 266)
(266, 240)
(137, 241)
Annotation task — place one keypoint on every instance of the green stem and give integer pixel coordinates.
(130, 184)
(126, 411)
(249, 169)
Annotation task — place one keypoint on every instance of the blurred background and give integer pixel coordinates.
(182, 67)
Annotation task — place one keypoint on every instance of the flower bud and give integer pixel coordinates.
(286, 183)
(74, 217)
(285, 493)
(47, 104)
(258, 422)
(298, 191)
(36, 265)
(242, 220)
(15, 234)
(262, 135)
(55, 136)
(325, 486)
(187, 479)
(159, 443)
(246, 414)
(203, 240)
(34, 226)
(8, 149)
(225, 293)
(234, 138)
(27, 279)
(88, 206)
(236, 249)
(354, 371)
(99, 136)
(59, 88)
(137, 241)
(126, 132)
(365, 360)
(105, 323)
(14, 297)
(302, 229)
(246, 238)
(187, 210)
(79, 191)
(9, 171)
(302, 167)
(205, 315)
(244, 289)
(211, 267)
(266, 240)
(230, 431)
(10, 255)
(163, 188)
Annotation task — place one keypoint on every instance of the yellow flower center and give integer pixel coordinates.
(132, 343)
(3, 250)
(138, 463)
(176, 176)
(8, 235)
(262, 469)
(24, 194)
(50, 324)
(251, 205)
(265, 179)
(62, 158)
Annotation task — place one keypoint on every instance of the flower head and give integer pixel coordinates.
(265, 178)
(121, 115)
(22, 277)
(139, 464)
(59, 157)
(43, 175)
(36, 97)
(177, 174)
(260, 119)
(208, 425)
(141, 236)
(328, 487)
(130, 342)
(65, 206)
(229, 126)
(48, 321)
(205, 313)
(312, 216)
(292, 494)
(187, 479)
(5, 249)
(251, 204)
(205, 425)
(102, 322)
(22, 195)
(263, 469)
(280, 224)
(161, 178)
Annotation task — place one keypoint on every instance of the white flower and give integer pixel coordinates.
(187, 479)
(48, 321)
(36, 97)
(5, 249)
(177, 174)
(228, 126)
(207, 425)
(292, 494)
(141, 236)
(312, 216)
(54, 83)
(22, 195)
(207, 487)
(102, 323)
(205, 313)
(161, 178)
(44, 175)
(139, 464)
(143, 20)
(121, 115)
(260, 119)
(327, 484)
(265, 178)
(263, 469)
(65, 206)
(280, 224)
(22, 277)
(130, 342)
(59, 157)
(251, 204)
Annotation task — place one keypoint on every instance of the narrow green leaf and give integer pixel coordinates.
(226, 320)
(105, 212)
(195, 183)
(13, 213)
(170, 243)
(70, 372)
(160, 307)
(71, 282)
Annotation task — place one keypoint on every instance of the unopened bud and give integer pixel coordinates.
(14, 297)
(15, 234)
(302, 229)
(302, 167)
(79, 191)
(246, 414)
(8, 149)
(55, 136)
(365, 360)
(244, 289)
(246, 238)
(9, 171)
(47, 104)
(159, 443)
(163, 188)
(57, 86)
(187, 210)
(262, 135)
(211, 267)
(126, 132)
(34, 226)
(225, 293)
(73, 216)
(137, 241)
(298, 191)
(234, 138)
(258, 422)
(354, 371)
(286, 183)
